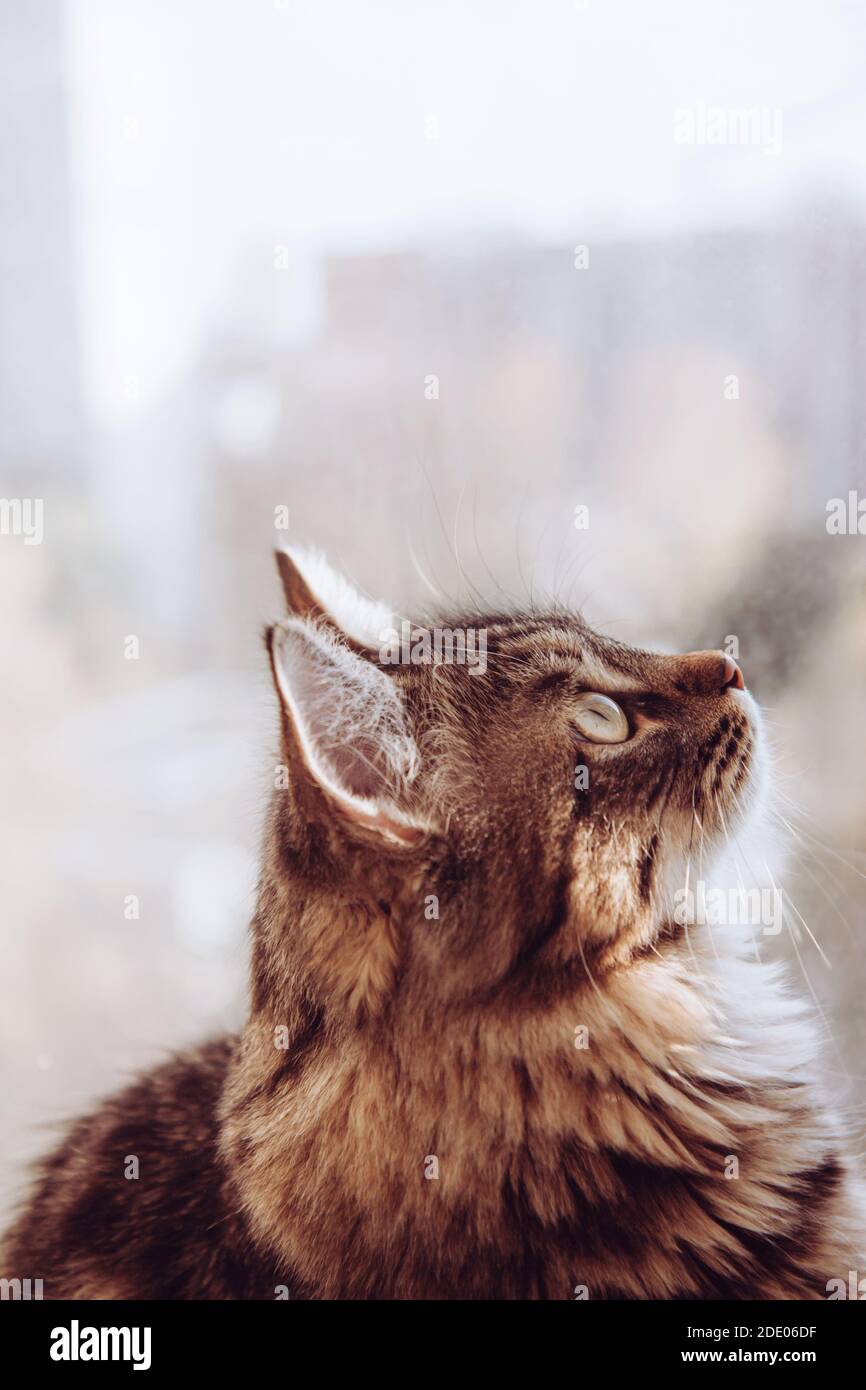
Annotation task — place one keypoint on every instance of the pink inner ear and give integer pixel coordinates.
(332, 704)
(350, 722)
(359, 767)
(381, 821)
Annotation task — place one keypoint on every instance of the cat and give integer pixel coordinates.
(484, 1059)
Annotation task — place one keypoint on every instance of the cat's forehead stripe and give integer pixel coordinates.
(593, 659)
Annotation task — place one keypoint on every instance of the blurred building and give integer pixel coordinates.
(41, 423)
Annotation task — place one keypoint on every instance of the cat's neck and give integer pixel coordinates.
(338, 1122)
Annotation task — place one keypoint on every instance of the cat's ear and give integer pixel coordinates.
(348, 731)
(314, 590)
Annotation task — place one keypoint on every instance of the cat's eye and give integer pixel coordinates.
(599, 719)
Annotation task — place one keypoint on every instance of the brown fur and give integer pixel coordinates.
(379, 1040)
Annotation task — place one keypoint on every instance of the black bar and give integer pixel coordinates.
(301, 1339)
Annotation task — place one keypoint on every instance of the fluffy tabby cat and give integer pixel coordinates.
(482, 1058)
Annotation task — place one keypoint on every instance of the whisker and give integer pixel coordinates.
(493, 578)
(810, 933)
(827, 850)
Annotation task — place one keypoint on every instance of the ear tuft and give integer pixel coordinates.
(314, 590)
(350, 727)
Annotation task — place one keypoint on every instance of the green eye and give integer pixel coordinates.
(599, 719)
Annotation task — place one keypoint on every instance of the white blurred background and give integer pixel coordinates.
(430, 276)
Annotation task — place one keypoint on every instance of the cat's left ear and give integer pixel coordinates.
(347, 732)
(315, 591)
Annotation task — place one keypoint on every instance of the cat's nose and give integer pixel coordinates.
(732, 676)
(711, 673)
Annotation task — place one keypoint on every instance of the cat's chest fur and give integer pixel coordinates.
(626, 1143)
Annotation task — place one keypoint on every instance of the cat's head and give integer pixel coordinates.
(489, 805)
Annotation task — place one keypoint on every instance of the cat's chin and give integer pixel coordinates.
(748, 806)
(732, 887)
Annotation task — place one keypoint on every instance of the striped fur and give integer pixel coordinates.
(550, 1086)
